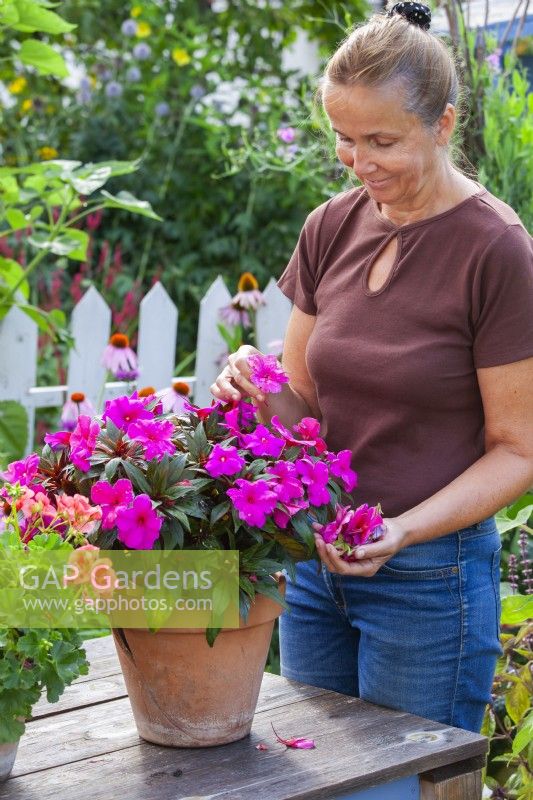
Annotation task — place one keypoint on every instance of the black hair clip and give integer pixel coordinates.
(415, 13)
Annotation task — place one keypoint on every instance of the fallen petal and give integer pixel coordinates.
(261, 746)
(298, 743)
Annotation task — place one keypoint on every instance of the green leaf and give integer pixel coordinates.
(33, 17)
(211, 635)
(517, 701)
(11, 273)
(218, 512)
(88, 183)
(72, 243)
(13, 430)
(505, 523)
(524, 735)
(111, 468)
(43, 57)
(16, 219)
(9, 188)
(128, 202)
(136, 477)
(516, 608)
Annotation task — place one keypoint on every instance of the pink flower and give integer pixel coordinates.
(267, 373)
(124, 411)
(352, 527)
(34, 504)
(239, 417)
(315, 475)
(235, 315)
(77, 404)
(78, 512)
(224, 461)
(57, 440)
(155, 436)
(139, 526)
(339, 465)
(83, 441)
(262, 443)
(111, 498)
(286, 134)
(203, 413)
(287, 435)
(119, 358)
(282, 516)
(253, 501)
(287, 486)
(23, 471)
(174, 398)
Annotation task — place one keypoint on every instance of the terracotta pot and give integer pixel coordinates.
(8, 753)
(184, 693)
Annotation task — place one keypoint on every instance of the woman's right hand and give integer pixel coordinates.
(234, 383)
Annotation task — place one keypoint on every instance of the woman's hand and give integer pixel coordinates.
(370, 557)
(234, 383)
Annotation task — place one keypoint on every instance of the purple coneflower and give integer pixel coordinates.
(174, 399)
(120, 359)
(77, 404)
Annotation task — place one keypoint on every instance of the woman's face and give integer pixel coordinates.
(390, 151)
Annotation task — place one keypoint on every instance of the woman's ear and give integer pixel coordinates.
(446, 125)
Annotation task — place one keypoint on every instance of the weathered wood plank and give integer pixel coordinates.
(80, 694)
(358, 746)
(460, 781)
(86, 732)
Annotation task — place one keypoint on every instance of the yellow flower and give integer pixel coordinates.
(18, 85)
(181, 57)
(46, 153)
(136, 11)
(27, 105)
(143, 30)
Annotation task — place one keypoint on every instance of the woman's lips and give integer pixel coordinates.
(376, 184)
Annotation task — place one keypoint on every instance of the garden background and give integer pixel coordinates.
(199, 120)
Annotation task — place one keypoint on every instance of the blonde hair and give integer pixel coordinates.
(387, 49)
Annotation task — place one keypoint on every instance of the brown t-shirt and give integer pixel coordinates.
(395, 369)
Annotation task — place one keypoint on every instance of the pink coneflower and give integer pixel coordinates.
(77, 404)
(119, 358)
(248, 293)
(174, 399)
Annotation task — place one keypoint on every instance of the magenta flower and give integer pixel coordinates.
(287, 435)
(76, 404)
(287, 486)
(282, 516)
(23, 471)
(224, 461)
(57, 440)
(119, 358)
(339, 465)
(315, 476)
(267, 373)
(253, 501)
(124, 411)
(352, 527)
(138, 526)
(203, 413)
(286, 134)
(155, 436)
(262, 443)
(82, 442)
(241, 416)
(111, 499)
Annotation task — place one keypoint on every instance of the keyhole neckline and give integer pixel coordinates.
(395, 233)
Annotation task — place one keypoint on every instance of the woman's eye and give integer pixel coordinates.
(384, 144)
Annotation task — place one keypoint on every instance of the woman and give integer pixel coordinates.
(411, 339)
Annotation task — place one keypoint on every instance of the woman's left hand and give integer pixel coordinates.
(370, 557)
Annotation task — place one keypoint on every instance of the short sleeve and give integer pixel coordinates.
(298, 281)
(502, 302)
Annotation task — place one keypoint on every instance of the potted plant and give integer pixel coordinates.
(202, 479)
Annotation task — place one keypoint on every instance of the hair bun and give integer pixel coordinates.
(415, 13)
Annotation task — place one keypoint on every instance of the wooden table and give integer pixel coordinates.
(87, 746)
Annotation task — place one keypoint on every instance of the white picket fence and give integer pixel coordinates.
(90, 326)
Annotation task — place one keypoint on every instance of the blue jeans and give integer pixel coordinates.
(422, 635)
